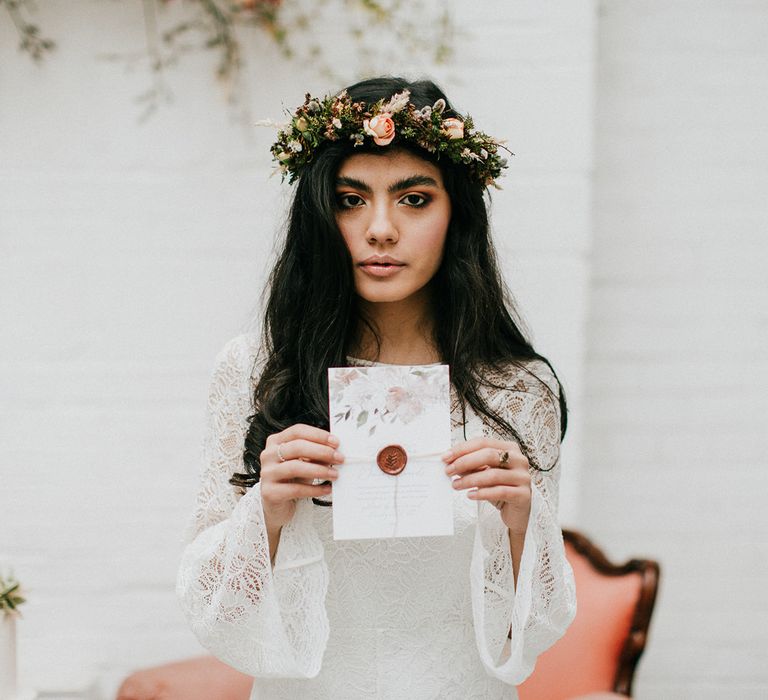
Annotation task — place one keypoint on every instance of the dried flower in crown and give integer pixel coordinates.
(338, 118)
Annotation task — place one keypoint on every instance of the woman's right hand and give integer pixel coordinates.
(290, 461)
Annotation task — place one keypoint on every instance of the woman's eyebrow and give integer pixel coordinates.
(354, 183)
(412, 181)
(404, 184)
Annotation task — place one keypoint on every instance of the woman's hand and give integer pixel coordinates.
(499, 472)
(290, 461)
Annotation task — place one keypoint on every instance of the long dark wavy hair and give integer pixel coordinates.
(312, 319)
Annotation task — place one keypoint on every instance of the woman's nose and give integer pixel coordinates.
(381, 227)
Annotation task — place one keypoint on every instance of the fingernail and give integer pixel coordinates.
(333, 440)
(338, 457)
(446, 457)
(449, 470)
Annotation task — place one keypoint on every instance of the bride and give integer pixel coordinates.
(387, 260)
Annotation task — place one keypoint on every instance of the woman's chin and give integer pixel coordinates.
(384, 293)
(382, 297)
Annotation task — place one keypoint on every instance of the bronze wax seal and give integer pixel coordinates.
(392, 459)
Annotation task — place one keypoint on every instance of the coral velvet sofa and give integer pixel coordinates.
(595, 660)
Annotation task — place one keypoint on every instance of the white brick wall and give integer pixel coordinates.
(675, 445)
(129, 253)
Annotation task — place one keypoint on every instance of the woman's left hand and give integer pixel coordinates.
(499, 472)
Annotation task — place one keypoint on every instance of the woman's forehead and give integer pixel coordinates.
(393, 165)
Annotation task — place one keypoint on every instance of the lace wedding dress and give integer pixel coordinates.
(405, 618)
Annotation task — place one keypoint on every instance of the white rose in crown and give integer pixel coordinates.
(454, 128)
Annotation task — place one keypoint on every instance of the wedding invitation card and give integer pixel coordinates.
(394, 423)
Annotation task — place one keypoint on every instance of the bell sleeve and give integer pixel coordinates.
(263, 621)
(514, 625)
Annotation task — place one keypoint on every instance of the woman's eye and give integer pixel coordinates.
(349, 201)
(415, 200)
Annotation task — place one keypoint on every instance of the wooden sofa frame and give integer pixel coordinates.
(649, 583)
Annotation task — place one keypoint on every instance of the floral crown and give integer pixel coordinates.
(337, 118)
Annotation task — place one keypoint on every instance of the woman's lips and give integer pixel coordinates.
(381, 269)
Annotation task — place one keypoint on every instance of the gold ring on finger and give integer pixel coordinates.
(279, 453)
(503, 459)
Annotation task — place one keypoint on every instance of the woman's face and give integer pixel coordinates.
(393, 212)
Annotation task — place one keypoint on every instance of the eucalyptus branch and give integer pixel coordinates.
(223, 37)
(417, 28)
(159, 90)
(153, 41)
(375, 9)
(29, 34)
(10, 595)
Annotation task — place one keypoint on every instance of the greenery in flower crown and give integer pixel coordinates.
(10, 595)
(337, 118)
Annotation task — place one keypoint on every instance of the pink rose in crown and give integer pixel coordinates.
(381, 127)
(454, 128)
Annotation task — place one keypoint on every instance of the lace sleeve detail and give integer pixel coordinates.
(265, 622)
(539, 611)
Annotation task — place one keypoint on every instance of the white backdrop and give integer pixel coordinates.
(130, 252)
(677, 405)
